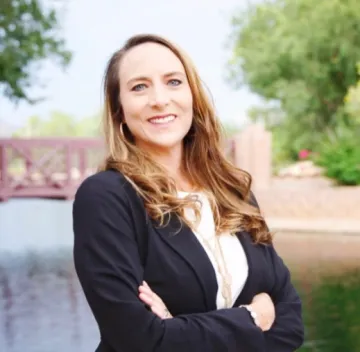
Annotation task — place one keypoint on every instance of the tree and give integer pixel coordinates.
(301, 54)
(28, 35)
(270, 116)
(352, 101)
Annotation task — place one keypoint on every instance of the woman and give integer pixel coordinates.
(170, 247)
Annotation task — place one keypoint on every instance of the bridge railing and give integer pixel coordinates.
(46, 167)
(54, 167)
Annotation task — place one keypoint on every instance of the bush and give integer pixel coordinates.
(352, 100)
(339, 155)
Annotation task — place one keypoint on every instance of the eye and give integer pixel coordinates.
(139, 87)
(174, 82)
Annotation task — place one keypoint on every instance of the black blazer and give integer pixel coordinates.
(112, 230)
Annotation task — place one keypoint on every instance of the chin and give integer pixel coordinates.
(166, 143)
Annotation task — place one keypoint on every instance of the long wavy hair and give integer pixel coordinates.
(204, 162)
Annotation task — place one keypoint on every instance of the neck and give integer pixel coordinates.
(171, 159)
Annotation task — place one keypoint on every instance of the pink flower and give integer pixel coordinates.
(304, 154)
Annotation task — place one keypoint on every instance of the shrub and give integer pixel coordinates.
(339, 155)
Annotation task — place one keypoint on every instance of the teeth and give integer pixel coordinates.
(163, 119)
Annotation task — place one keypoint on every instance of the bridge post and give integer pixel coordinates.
(253, 154)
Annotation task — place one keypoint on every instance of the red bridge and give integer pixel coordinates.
(46, 167)
(50, 167)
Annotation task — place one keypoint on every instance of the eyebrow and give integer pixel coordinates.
(144, 78)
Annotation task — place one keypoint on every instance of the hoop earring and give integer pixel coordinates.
(122, 130)
(191, 132)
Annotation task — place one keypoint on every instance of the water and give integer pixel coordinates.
(42, 308)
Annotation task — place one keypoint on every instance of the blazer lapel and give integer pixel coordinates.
(255, 274)
(186, 245)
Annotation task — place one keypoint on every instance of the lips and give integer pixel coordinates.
(162, 119)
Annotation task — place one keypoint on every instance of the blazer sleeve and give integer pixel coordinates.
(109, 268)
(287, 332)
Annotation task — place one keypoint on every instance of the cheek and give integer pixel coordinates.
(188, 99)
(185, 100)
(190, 108)
(132, 109)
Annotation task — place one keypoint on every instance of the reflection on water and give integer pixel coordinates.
(42, 308)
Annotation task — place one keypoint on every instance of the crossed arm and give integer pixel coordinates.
(285, 331)
(110, 271)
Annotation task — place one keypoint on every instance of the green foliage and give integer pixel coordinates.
(60, 125)
(270, 115)
(285, 145)
(302, 54)
(339, 155)
(352, 101)
(28, 34)
(332, 314)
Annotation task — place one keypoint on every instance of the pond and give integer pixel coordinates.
(42, 308)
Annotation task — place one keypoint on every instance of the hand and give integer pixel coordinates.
(154, 301)
(264, 307)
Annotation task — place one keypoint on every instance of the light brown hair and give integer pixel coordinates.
(205, 164)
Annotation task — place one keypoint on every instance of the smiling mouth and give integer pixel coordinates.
(161, 120)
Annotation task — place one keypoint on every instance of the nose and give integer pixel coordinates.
(159, 96)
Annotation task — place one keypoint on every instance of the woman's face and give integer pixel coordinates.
(156, 97)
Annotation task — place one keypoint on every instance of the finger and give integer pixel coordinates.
(145, 289)
(151, 294)
(153, 304)
(157, 299)
(156, 308)
(148, 291)
(145, 284)
(146, 299)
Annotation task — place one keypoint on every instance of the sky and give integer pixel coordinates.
(93, 30)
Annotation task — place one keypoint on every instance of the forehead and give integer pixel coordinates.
(149, 59)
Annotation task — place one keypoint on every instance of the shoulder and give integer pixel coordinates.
(102, 180)
(105, 184)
